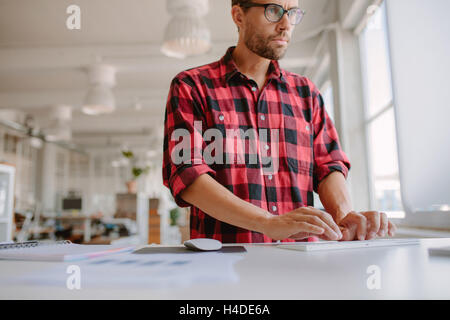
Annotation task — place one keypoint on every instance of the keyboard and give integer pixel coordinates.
(342, 245)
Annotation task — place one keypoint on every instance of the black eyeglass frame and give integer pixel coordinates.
(266, 5)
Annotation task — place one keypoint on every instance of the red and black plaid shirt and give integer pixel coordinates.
(218, 96)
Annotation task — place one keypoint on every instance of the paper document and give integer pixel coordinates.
(62, 252)
(140, 271)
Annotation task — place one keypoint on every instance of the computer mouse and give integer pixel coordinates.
(203, 244)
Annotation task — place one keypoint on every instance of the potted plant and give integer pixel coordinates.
(174, 234)
(174, 215)
(136, 171)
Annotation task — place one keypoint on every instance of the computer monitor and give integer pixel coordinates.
(420, 51)
(72, 204)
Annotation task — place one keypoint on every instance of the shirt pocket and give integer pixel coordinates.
(298, 141)
(232, 147)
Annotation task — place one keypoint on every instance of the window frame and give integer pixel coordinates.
(370, 119)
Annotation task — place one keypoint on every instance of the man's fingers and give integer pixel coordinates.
(300, 236)
(359, 220)
(328, 219)
(361, 228)
(365, 223)
(373, 217)
(384, 225)
(392, 229)
(316, 221)
(348, 233)
(310, 228)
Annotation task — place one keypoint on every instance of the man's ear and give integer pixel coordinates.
(237, 14)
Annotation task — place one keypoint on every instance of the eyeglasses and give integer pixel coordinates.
(275, 12)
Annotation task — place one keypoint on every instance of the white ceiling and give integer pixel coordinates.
(42, 62)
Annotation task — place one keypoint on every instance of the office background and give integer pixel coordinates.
(82, 109)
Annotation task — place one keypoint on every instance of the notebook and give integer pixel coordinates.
(57, 251)
(342, 245)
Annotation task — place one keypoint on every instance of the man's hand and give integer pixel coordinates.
(302, 223)
(366, 226)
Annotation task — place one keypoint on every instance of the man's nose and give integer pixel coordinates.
(284, 23)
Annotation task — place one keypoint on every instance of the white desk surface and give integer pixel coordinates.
(267, 272)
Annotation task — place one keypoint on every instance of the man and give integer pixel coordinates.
(248, 202)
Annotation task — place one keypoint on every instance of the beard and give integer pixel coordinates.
(263, 46)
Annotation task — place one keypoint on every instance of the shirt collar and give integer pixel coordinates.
(229, 68)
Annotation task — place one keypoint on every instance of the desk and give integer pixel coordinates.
(267, 272)
(86, 220)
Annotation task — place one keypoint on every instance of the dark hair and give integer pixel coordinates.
(240, 2)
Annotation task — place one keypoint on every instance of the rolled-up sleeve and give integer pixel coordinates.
(183, 146)
(328, 154)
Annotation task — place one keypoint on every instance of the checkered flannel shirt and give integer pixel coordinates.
(304, 150)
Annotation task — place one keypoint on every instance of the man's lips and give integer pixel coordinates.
(282, 41)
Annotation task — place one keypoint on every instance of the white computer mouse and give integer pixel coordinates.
(203, 244)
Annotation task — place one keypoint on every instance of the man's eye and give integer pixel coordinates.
(274, 11)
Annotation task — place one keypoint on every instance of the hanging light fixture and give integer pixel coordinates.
(187, 33)
(59, 128)
(100, 98)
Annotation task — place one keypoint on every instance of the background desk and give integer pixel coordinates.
(267, 272)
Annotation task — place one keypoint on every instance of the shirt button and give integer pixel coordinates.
(254, 89)
(263, 117)
(274, 208)
(266, 147)
(221, 117)
(307, 128)
(270, 177)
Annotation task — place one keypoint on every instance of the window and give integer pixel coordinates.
(327, 95)
(379, 117)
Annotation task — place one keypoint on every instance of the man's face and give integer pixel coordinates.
(260, 35)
